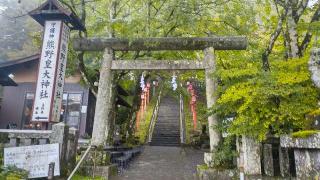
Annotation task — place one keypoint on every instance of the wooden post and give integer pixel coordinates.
(51, 171)
(103, 105)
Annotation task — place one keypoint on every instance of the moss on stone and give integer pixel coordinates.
(202, 167)
(80, 177)
(304, 133)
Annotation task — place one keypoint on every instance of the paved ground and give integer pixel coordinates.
(163, 163)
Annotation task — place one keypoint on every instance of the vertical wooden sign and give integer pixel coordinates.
(50, 82)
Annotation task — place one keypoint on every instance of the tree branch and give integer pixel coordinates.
(273, 38)
(308, 36)
(301, 7)
(81, 65)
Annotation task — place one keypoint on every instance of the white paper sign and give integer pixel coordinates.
(35, 159)
(47, 103)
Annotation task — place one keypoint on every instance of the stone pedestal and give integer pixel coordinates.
(60, 134)
(209, 159)
(105, 172)
(268, 160)
(72, 147)
(306, 154)
(284, 162)
(204, 173)
(249, 156)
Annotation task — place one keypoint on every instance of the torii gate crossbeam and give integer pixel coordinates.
(157, 65)
(160, 44)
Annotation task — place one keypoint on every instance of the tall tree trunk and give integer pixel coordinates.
(292, 32)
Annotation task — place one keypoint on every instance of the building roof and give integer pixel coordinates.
(53, 10)
(5, 64)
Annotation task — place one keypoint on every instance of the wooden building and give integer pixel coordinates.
(18, 93)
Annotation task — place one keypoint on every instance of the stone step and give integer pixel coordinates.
(164, 144)
(170, 126)
(166, 131)
(167, 127)
(165, 134)
(167, 122)
(166, 139)
(168, 119)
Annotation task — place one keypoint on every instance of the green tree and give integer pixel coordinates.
(261, 101)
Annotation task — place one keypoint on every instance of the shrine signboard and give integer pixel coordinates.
(34, 159)
(50, 82)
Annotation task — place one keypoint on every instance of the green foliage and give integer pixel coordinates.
(202, 167)
(226, 151)
(263, 102)
(143, 130)
(17, 29)
(13, 173)
(80, 177)
(304, 134)
(260, 102)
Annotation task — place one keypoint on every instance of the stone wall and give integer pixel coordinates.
(60, 133)
(306, 154)
(249, 156)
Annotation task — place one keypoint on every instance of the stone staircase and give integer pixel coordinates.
(167, 128)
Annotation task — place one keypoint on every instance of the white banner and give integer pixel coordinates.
(34, 159)
(48, 98)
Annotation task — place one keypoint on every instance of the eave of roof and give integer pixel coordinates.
(20, 61)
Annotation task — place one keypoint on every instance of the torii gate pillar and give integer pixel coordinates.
(211, 90)
(104, 101)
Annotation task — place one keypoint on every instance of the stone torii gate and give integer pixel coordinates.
(109, 45)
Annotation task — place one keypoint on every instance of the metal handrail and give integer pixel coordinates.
(79, 163)
(182, 122)
(154, 117)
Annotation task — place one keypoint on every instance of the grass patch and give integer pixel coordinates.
(143, 130)
(202, 167)
(304, 133)
(79, 177)
(188, 119)
(13, 173)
